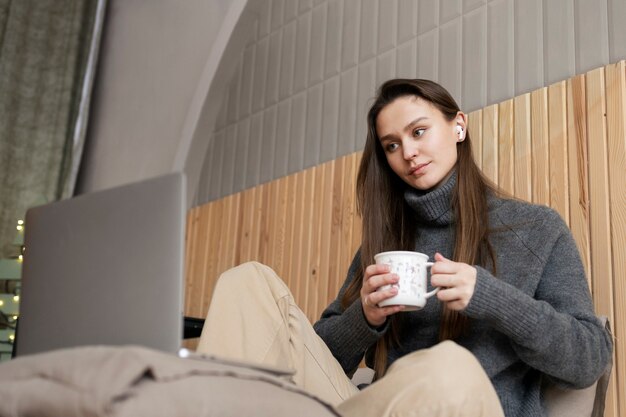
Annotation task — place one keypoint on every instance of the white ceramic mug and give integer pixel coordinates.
(411, 269)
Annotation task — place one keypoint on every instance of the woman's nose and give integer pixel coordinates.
(410, 151)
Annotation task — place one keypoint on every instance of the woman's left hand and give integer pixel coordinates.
(456, 279)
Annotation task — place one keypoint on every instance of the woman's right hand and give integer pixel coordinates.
(375, 277)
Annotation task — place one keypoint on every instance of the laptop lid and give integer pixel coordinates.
(105, 268)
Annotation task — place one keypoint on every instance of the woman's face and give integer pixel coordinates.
(420, 144)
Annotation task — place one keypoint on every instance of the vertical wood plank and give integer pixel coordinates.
(316, 244)
(270, 207)
(190, 256)
(490, 143)
(216, 250)
(540, 146)
(219, 228)
(523, 149)
(357, 225)
(349, 212)
(578, 170)
(475, 128)
(506, 148)
(334, 266)
(289, 230)
(557, 130)
(297, 234)
(326, 230)
(274, 205)
(239, 221)
(616, 131)
(228, 231)
(234, 224)
(264, 224)
(601, 248)
(231, 232)
(309, 228)
(245, 249)
(257, 222)
(207, 267)
(280, 240)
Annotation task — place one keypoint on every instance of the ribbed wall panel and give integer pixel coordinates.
(347, 111)
(387, 25)
(241, 154)
(333, 38)
(296, 133)
(368, 29)
(273, 69)
(316, 64)
(318, 44)
(281, 151)
(330, 122)
(617, 29)
(500, 51)
(267, 148)
(407, 16)
(366, 87)
(278, 7)
(558, 28)
(406, 60)
(313, 129)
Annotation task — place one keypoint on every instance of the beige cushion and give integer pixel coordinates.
(588, 402)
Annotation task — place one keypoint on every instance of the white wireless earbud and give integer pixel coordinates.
(459, 131)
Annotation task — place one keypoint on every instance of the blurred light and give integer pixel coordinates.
(11, 337)
(19, 227)
(20, 222)
(20, 258)
(16, 298)
(1, 303)
(14, 317)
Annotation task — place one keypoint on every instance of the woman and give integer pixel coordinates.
(514, 293)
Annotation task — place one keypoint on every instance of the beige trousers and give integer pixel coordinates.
(253, 317)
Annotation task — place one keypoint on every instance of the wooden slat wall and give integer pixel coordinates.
(562, 146)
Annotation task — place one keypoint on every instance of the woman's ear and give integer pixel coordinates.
(461, 126)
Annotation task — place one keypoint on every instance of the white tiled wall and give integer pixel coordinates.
(304, 82)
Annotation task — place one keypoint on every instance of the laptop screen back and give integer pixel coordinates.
(105, 268)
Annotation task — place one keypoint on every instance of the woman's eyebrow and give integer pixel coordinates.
(407, 127)
(414, 122)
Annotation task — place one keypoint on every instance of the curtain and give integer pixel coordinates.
(48, 50)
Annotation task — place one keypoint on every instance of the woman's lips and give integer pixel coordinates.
(418, 169)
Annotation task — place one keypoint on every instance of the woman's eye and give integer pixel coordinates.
(392, 147)
(418, 132)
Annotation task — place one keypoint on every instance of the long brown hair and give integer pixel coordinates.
(388, 221)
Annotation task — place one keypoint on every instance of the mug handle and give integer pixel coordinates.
(436, 290)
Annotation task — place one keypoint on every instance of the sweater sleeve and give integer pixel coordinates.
(347, 332)
(556, 330)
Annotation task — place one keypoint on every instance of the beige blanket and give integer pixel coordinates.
(135, 381)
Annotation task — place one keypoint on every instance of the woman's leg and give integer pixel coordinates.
(253, 317)
(442, 381)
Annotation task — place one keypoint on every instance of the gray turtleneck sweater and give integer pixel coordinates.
(534, 320)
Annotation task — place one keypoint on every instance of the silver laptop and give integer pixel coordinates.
(105, 268)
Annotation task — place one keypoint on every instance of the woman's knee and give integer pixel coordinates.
(446, 365)
(445, 377)
(252, 277)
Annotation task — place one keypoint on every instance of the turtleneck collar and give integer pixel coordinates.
(432, 206)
